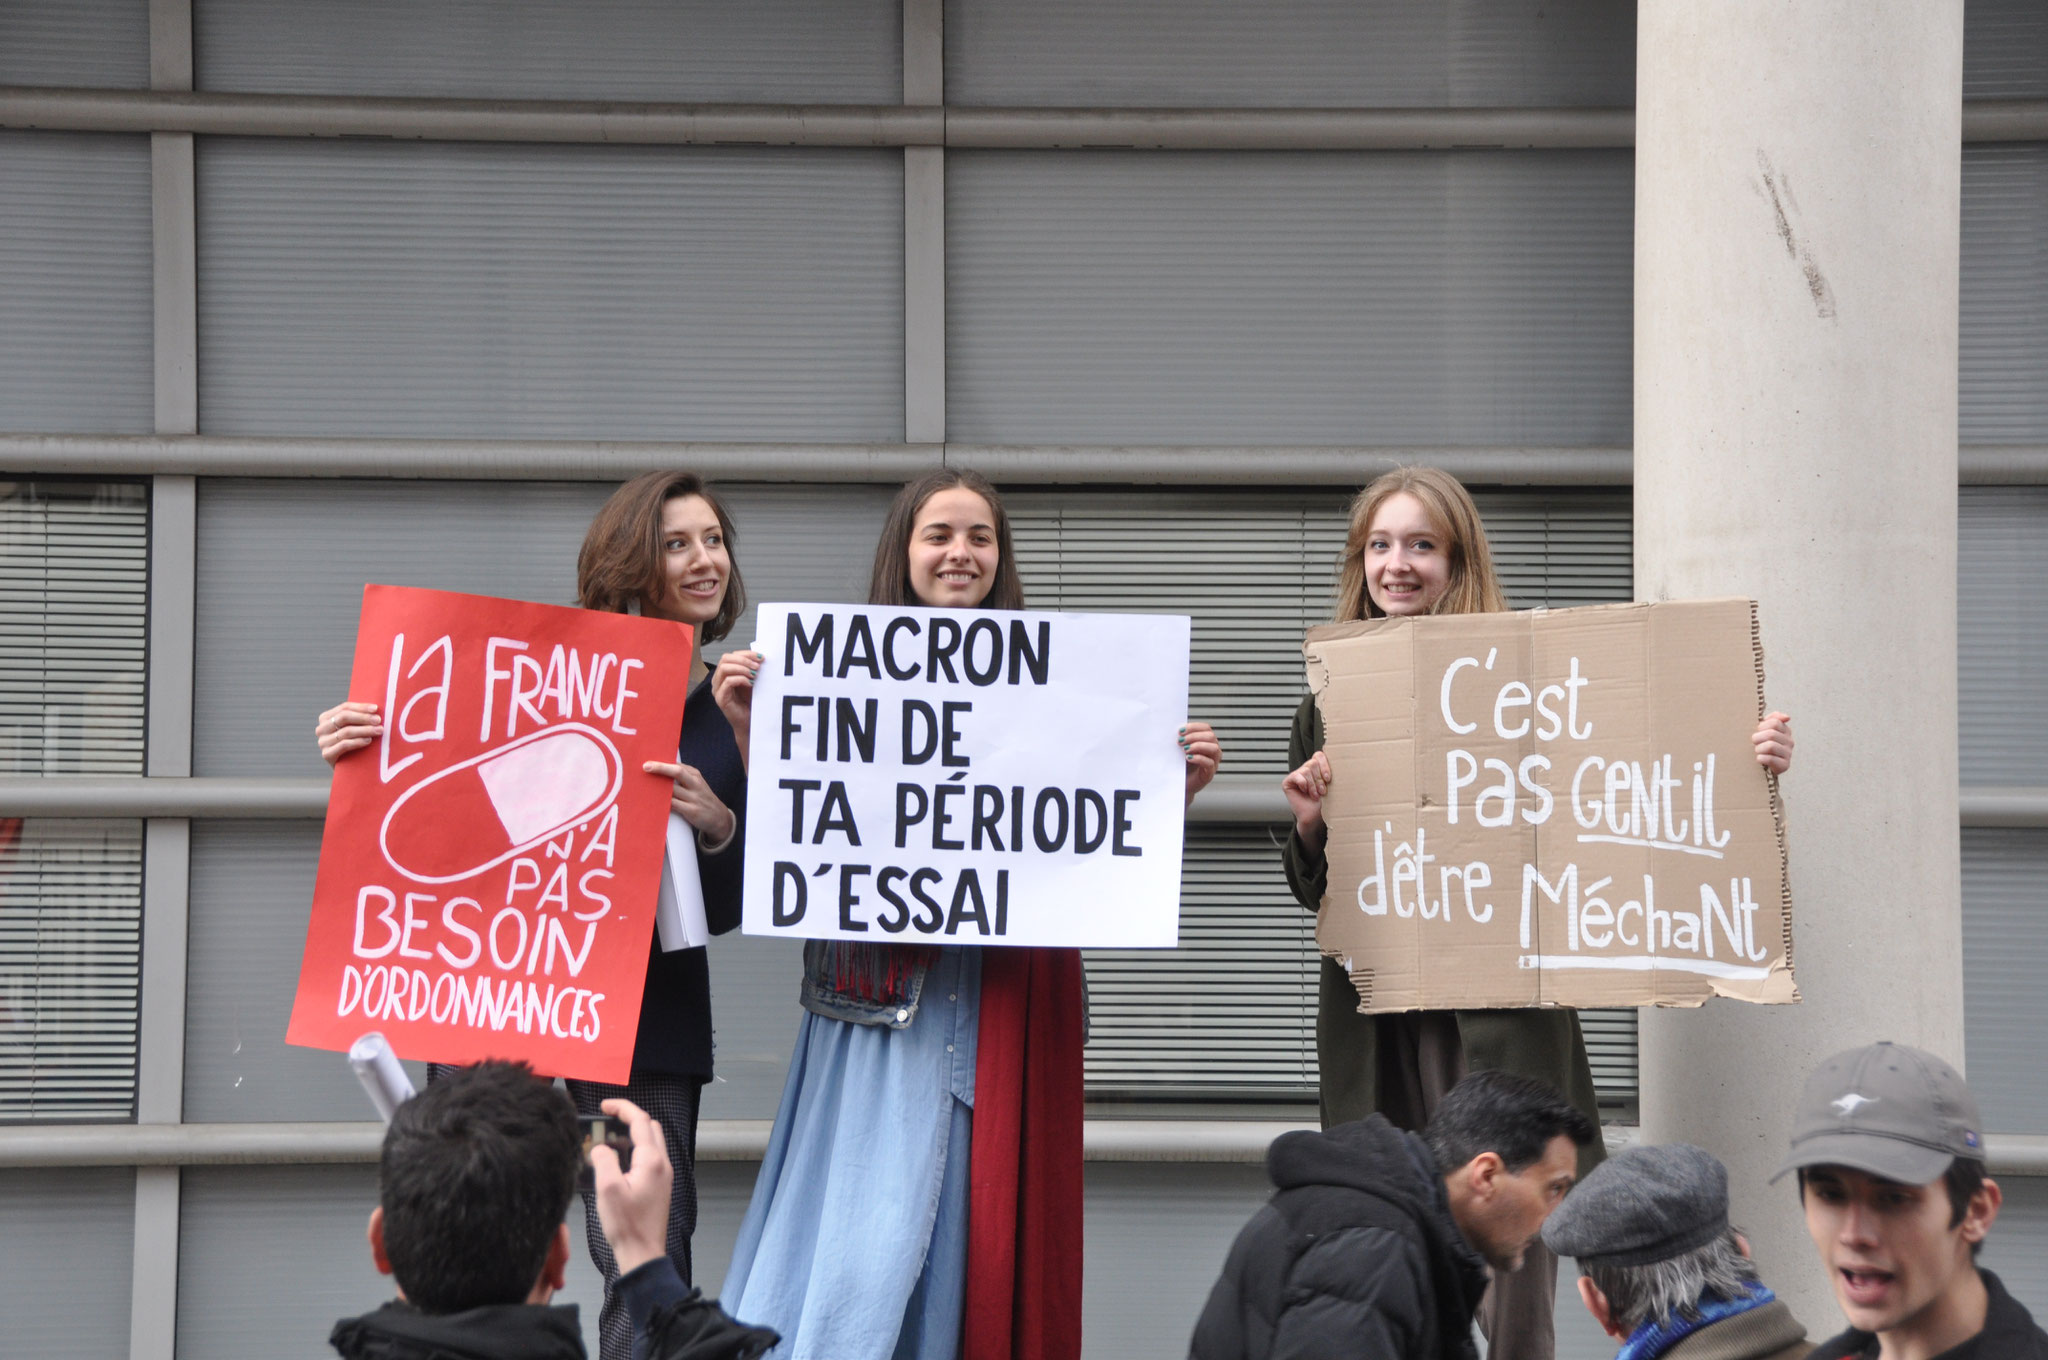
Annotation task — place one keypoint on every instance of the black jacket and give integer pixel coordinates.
(1356, 1255)
(523, 1331)
(2009, 1334)
(670, 1322)
(674, 1038)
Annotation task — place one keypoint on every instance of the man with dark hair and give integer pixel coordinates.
(1660, 1268)
(1889, 1149)
(1376, 1243)
(475, 1178)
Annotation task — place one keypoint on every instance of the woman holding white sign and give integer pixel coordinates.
(660, 546)
(1416, 546)
(949, 1076)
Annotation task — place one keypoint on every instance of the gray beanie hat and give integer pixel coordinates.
(1641, 1206)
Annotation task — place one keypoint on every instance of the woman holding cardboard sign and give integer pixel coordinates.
(1417, 546)
(661, 546)
(949, 1076)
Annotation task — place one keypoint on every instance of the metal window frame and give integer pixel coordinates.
(1230, 799)
(1008, 464)
(921, 120)
(173, 559)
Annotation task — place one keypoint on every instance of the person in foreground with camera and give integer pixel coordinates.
(1661, 1270)
(1377, 1243)
(474, 1181)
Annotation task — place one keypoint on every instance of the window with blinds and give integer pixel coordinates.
(74, 599)
(1230, 1014)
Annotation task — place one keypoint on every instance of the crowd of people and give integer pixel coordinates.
(1377, 1242)
(934, 1098)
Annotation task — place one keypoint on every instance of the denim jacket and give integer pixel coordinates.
(865, 984)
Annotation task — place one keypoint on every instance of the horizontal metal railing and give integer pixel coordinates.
(1231, 798)
(1010, 464)
(1212, 1141)
(870, 125)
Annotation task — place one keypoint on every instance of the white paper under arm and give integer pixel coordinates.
(679, 913)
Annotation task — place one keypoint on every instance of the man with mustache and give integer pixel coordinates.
(1376, 1242)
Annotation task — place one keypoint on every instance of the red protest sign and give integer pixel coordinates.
(489, 869)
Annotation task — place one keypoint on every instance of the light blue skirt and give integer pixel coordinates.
(855, 1244)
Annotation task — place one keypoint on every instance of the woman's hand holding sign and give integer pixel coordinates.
(694, 802)
(1773, 740)
(346, 727)
(1204, 753)
(732, 687)
(1305, 788)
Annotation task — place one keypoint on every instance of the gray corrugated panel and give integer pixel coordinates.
(271, 1257)
(66, 1253)
(75, 291)
(1205, 298)
(281, 570)
(252, 888)
(1157, 1236)
(378, 288)
(1229, 1012)
(2003, 388)
(282, 565)
(70, 968)
(1300, 53)
(2005, 895)
(75, 43)
(754, 1016)
(74, 604)
(2002, 634)
(2005, 49)
(697, 51)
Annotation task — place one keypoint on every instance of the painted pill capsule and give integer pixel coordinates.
(478, 814)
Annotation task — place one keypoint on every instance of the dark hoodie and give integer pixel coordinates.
(521, 1331)
(1356, 1255)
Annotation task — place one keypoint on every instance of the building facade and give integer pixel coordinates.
(297, 297)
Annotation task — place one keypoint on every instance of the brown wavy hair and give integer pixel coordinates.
(621, 560)
(890, 583)
(1473, 588)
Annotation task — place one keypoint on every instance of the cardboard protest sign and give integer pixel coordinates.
(1552, 808)
(939, 776)
(488, 873)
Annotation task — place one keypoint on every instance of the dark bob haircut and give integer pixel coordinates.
(621, 560)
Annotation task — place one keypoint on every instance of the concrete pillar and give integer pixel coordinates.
(1798, 173)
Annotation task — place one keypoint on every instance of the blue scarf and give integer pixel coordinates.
(1651, 1340)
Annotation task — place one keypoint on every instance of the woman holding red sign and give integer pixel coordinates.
(662, 547)
(1417, 547)
(921, 1193)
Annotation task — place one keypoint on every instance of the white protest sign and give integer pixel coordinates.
(942, 776)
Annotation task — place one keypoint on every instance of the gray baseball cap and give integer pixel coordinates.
(1888, 1110)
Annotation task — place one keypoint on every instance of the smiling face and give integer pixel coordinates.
(694, 563)
(1507, 1212)
(1407, 557)
(1896, 1262)
(953, 552)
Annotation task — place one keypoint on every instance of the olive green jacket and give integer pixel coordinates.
(1545, 1044)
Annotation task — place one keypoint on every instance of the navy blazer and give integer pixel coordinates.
(675, 1010)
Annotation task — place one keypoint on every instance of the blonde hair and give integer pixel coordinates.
(1473, 588)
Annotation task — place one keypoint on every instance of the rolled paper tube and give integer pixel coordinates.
(381, 1074)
